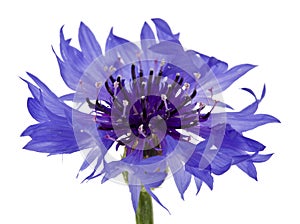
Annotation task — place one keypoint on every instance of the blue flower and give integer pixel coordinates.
(152, 101)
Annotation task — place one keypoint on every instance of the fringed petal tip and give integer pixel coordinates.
(164, 32)
(147, 33)
(88, 43)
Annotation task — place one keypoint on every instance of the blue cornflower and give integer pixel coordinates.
(153, 101)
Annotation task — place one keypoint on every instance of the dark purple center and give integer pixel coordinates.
(142, 110)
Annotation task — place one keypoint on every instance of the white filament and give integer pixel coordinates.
(164, 98)
(116, 85)
(141, 130)
(125, 104)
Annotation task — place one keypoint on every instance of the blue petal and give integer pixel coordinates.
(43, 87)
(199, 159)
(134, 157)
(263, 93)
(88, 43)
(51, 101)
(36, 110)
(215, 64)
(33, 89)
(252, 108)
(169, 144)
(261, 158)
(135, 189)
(147, 33)
(245, 119)
(248, 168)
(71, 55)
(119, 47)
(70, 76)
(251, 122)
(215, 161)
(235, 140)
(198, 183)
(67, 97)
(182, 180)
(49, 130)
(100, 161)
(249, 91)
(90, 158)
(221, 164)
(52, 147)
(154, 179)
(164, 31)
(112, 170)
(113, 41)
(204, 175)
(226, 79)
(30, 130)
(238, 156)
(147, 40)
(55, 135)
(155, 197)
(167, 48)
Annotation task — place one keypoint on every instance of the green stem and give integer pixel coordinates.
(144, 212)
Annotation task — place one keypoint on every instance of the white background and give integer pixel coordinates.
(38, 189)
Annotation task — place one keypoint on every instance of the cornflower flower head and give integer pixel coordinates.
(155, 103)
